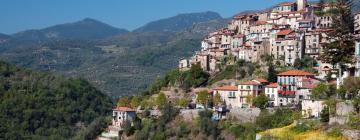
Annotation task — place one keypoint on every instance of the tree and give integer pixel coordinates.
(203, 97)
(340, 49)
(272, 74)
(249, 99)
(126, 126)
(261, 100)
(183, 102)
(325, 115)
(161, 99)
(124, 102)
(135, 102)
(207, 126)
(320, 12)
(217, 99)
(319, 92)
(267, 58)
(352, 84)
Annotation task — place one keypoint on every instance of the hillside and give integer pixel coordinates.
(85, 29)
(118, 65)
(4, 37)
(44, 106)
(179, 22)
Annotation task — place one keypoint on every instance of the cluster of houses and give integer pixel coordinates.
(293, 88)
(288, 31)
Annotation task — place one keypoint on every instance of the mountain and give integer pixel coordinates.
(202, 29)
(178, 23)
(84, 29)
(4, 37)
(37, 105)
(118, 65)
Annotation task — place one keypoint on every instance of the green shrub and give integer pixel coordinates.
(243, 131)
(334, 132)
(299, 128)
(354, 121)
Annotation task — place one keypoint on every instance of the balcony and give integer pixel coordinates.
(286, 92)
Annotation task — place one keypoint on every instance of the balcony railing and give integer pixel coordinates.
(286, 92)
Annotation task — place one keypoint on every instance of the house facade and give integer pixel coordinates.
(122, 114)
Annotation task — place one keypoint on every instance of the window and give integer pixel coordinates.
(232, 94)
(247, 87)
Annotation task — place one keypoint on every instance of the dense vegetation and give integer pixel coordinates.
(179, 22)
(44, 106)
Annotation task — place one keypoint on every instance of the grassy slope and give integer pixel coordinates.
(286, 133)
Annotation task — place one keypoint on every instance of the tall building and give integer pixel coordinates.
(301, 5)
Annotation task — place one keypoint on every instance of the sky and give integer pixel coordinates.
(19, 15)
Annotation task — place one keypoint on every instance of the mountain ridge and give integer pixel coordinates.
(84, 29)
(178, 22)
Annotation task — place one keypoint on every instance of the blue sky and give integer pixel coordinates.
(19, 15)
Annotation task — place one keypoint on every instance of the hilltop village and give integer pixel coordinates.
(287, 33)
(222, 91)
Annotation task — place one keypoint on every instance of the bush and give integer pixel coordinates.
(243, 131)
(206, 125)
(280, 118)
(354, 121)
(325, 115)
(183, 130)
(299, 128)
(261, 101)
(334, 132)
(128, 129)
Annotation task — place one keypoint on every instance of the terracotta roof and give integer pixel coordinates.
(250, 83)
(124, 109)
(285, 32)
(321, 30)
(227, 88)
(261, 23)
(239, 36)
(262, 80)
(273, 85)
(287, 4)
(295, 73)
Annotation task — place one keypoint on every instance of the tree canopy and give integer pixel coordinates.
(44, 106)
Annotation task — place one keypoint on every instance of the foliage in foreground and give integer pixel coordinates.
(44, 106)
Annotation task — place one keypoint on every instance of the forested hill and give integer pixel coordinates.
(36, 105)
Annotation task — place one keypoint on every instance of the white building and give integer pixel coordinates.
(121, 114)
(249, 90)
(229, 95)
(271, 91)
(311, 108)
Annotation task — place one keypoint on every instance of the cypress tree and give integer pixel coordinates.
(340, 48)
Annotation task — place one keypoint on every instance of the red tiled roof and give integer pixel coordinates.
(124, 109)
(227, 88)
(262, 80)
(287, 4)
(250, 83)
(295, 73)
(239, 36)
(285, 32)
(321, 30)
(261, 23)
(273, 85)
